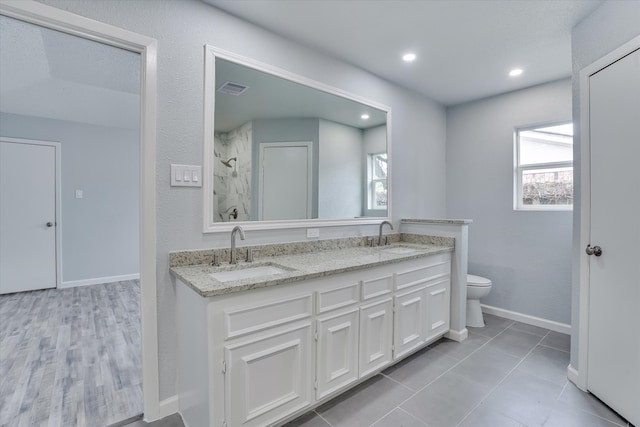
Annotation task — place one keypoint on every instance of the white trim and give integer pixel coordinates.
(168, 406)
(573, 376)
(519, 169)
(563, 328)
(585, 202)
(98, 281)
(458, 336)
(209, 226)
(51, 17)
(58, 196)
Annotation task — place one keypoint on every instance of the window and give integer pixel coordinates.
(377, 172)
(544, 168)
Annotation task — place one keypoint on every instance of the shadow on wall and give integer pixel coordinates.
(503, 280)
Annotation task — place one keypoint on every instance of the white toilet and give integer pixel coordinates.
(477, 287)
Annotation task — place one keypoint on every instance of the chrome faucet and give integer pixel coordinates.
(380, 234)
(233, 258)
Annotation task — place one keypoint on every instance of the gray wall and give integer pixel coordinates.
(100, 231)
(182, 28)
(527, 255)
(340, 184)
(608, 27)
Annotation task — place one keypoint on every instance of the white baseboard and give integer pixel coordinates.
(98, 280)
(457, 335)
(169, 406)
(563, 328)
(572, 375)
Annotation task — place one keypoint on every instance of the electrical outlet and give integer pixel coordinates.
(313, 232)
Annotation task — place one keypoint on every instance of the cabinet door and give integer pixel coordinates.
(269, 377)
(376, 333)
(409, 321)
(438, 302)
(337, 352)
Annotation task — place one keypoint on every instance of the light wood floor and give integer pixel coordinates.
(71, 357)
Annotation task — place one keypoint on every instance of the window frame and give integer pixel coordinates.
(518, 170)
(371, 181)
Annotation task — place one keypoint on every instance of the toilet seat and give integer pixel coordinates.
(477, 281)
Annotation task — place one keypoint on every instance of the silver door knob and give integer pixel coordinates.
(595, 250)
(49, 224)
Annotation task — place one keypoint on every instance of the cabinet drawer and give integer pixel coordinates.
(246, 320)
(377, 287)
(342, 296)
(437, 268)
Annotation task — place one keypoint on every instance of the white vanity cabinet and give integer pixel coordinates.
(264, 356)
(266, 369)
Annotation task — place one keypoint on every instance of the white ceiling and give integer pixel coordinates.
(273, 97)
(49, 74)
(465, 48)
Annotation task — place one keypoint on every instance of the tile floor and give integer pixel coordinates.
(506, 374)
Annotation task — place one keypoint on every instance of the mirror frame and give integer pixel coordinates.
(209, 225)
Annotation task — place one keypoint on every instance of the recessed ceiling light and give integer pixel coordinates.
(409, 57)
(364, 117)
(515, 72)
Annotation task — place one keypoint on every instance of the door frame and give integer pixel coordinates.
(58, 196)
(60, 20)
(579, 375)
(264, 145)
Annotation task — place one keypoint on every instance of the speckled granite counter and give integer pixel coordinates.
(302, 266)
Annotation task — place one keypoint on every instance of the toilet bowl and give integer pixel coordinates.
(477, 287)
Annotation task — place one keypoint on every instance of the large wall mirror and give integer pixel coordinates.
(282, 150)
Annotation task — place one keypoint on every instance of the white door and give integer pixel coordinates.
(337, 352)
(376, 336)
(285, 180)
(614, 290)
(438, 304)
(28, 182)
(409, 321)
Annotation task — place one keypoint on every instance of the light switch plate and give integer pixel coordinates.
(313, 232)
(186, 176)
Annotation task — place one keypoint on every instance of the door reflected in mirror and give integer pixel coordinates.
(288, 149)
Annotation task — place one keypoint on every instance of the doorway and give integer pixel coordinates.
(89, 30)
(609, 343)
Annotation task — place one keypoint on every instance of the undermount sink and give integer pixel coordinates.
(398, 250)
(248, 272)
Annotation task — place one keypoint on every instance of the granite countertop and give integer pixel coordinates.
(300, 267)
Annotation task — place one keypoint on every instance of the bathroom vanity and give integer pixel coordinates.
(264, 342)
